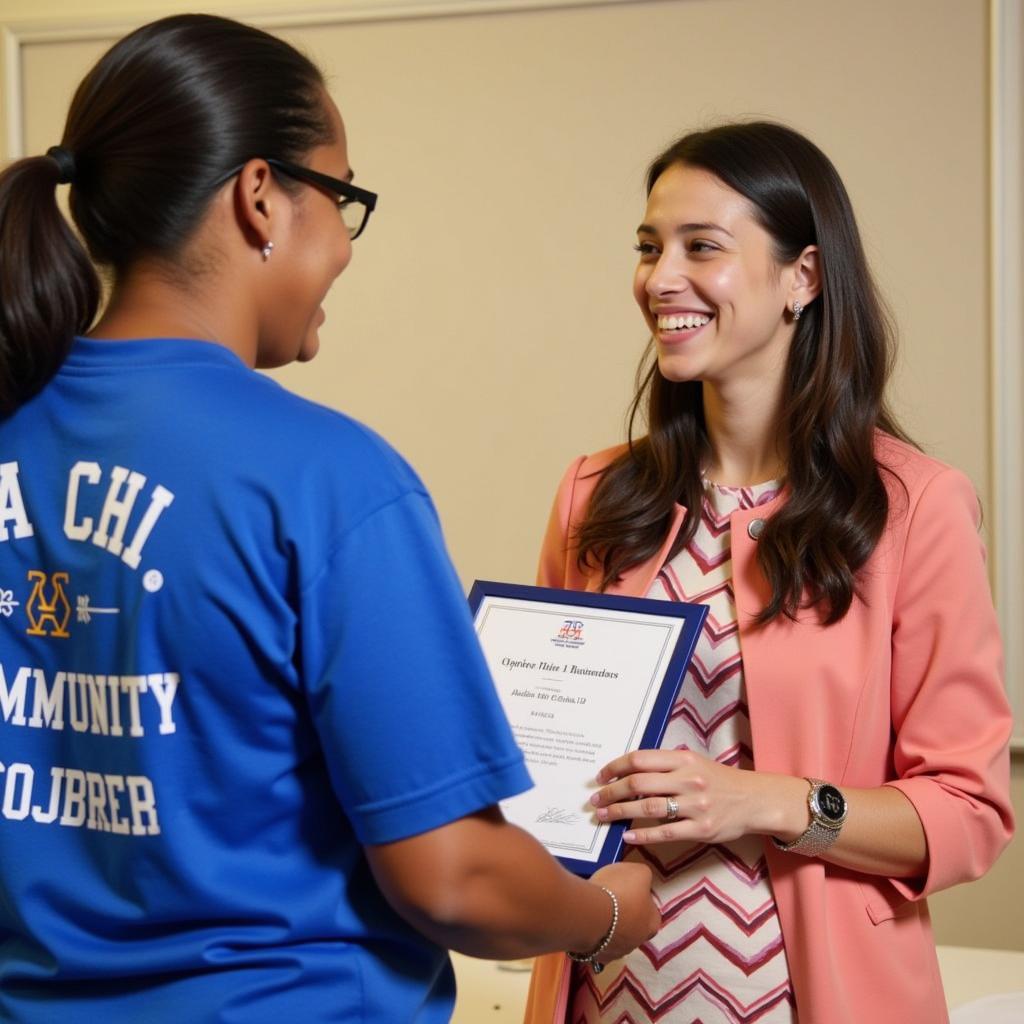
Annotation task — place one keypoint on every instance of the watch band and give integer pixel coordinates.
(822, 831)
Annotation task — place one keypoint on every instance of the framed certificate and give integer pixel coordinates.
(583, 679)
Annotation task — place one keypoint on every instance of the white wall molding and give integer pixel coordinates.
(10, 55)
(19, 34)
(1007, 326)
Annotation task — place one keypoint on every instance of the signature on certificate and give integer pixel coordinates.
(558, 816)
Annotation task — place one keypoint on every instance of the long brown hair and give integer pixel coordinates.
(832, 402)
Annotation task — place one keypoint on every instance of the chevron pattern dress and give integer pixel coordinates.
(719, 957)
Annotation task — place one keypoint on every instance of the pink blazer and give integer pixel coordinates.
(905, 691)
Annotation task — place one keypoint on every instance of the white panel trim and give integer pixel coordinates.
(13, 143)
(71, 29)
(1007, 273)
(19, 34)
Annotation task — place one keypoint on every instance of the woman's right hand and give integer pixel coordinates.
(488, 889)
(639, 917)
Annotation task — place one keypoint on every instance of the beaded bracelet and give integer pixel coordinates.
(591, 958)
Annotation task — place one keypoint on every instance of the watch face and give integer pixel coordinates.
(831, 803)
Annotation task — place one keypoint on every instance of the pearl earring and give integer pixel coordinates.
(266, 251)
(797, 310)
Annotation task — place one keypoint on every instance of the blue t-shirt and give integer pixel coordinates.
(232, 651)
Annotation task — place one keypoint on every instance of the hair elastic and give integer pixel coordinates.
(65, 161)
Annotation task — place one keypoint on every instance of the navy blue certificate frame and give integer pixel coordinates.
(693, 616)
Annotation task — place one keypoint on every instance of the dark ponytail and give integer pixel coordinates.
(153, 128)
(49, 291)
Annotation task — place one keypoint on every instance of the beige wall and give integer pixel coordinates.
(485, 325)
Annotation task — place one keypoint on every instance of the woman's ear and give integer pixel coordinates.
(257, 203)
(806, 286)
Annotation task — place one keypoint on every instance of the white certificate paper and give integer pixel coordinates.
(580, 685)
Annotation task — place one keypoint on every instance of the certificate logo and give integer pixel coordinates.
(570, 634)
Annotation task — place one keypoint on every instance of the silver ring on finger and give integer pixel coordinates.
(671, 809)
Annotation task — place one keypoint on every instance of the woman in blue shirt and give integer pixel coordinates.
(250, 754)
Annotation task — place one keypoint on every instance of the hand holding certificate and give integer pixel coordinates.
(583, 678)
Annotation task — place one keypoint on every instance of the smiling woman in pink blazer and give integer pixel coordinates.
(847, 755)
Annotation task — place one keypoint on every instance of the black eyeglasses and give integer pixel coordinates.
(355, 203)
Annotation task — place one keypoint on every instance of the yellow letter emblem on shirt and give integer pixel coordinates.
(53, 611)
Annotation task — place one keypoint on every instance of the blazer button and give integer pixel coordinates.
(755, 528)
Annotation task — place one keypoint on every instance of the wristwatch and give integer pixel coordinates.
(828, 812)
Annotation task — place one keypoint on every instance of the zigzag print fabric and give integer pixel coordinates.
(719, 957)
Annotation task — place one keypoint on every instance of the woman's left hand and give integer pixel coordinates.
(716, 803)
